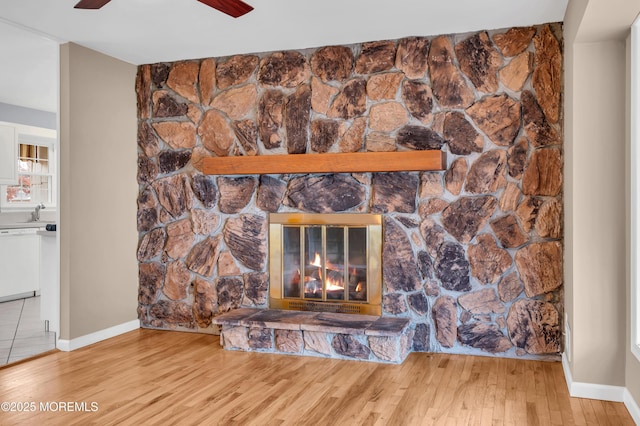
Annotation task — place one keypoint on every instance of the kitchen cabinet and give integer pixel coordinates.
(19, 263)
(8, 155)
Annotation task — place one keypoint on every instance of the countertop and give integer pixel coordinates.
(18, 225)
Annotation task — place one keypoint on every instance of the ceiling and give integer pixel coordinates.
(149, 31)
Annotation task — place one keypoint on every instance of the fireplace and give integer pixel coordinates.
(326, 262)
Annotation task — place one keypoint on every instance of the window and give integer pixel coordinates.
(635, 187)
(36, 180)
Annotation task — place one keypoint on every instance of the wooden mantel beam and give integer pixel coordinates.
(353, 162)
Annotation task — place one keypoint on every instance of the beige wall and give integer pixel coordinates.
(598, 268)
(632, 368)
(98, 189)
(595, 197)
(572, 21)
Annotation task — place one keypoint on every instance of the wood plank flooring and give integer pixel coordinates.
(149, 377)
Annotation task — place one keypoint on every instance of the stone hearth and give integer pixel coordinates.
(341, 336)
(472, 255)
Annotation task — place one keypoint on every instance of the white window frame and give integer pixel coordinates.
(634, 188)
(45, 137)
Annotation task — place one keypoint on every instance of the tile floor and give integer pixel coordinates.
(22, 333)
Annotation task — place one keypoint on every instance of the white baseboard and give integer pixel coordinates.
(602, 392)
(90, 339)
(590, 390)
(632, 406)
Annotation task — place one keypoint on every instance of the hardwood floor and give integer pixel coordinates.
(162, 377)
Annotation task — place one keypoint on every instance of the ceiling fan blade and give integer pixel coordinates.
(235, 8)
(91, 4)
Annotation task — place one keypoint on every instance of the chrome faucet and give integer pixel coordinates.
(36, 214)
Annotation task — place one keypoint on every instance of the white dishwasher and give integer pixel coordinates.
(19, 263)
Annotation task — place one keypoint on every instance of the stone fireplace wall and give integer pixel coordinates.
(472, 255)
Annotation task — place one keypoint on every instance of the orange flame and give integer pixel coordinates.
(333, 285)
(330, 285)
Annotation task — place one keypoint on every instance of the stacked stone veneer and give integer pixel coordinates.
(472, 255)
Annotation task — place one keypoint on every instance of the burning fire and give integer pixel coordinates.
(333, 285)
(317, 261)
(330, 284)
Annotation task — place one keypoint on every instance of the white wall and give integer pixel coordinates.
(98, 190)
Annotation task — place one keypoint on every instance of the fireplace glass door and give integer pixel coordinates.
(325, 261)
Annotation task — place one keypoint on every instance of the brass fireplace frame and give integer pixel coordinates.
(373, 224)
